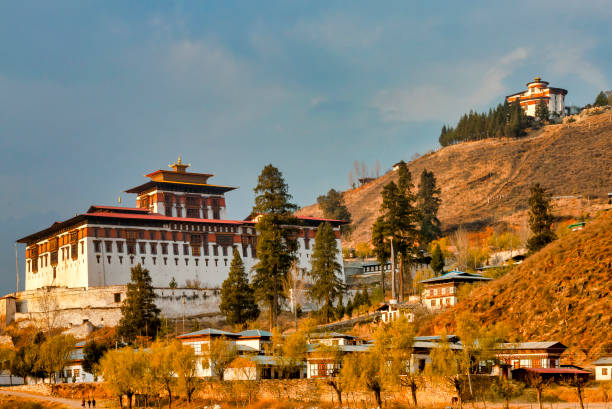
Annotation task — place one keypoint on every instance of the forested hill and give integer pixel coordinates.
(561, 293)
(485, 182)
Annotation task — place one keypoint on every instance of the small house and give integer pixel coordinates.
(441, 292)
(603, 369)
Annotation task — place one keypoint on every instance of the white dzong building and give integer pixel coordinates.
(538, 90)
(178, 231)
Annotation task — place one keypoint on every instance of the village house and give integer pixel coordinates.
(537, 91)
(603, 369)
(441, 292)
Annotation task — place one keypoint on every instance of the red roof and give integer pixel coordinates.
(138, 209)
(320, 219)
(558, 371)
(160, 217)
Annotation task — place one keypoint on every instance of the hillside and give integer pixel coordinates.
(487, 182)
(563, 293)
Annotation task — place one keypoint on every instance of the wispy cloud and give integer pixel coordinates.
(473, 84)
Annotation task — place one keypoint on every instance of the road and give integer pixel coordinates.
(71, 403)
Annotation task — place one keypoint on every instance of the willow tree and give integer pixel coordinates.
(276, 242)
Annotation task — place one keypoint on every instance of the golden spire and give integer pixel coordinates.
(536, 79)
(179, 166)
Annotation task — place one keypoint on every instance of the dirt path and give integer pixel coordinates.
(71, 403)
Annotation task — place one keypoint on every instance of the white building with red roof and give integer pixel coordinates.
(537, 91)
(178, 231)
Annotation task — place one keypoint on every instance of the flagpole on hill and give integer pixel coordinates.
(16, 270)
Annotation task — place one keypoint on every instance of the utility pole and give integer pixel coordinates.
(183, 308)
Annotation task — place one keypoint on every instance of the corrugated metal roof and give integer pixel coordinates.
(530, 345)
(254, 333)
(207, 332)
(457, 275)
(605, 360)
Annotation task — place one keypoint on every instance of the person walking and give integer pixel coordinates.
(93, 402)
(83, 403)
(89, 403)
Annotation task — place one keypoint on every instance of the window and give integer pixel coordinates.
(97, 247)
(142, 248)
(175, 249)
(143, 260)
(117, 297)
(141, 234)
(433, 303)
(451, 290)
(604, 371)
(107, 232)
(224, 251)
(215, 250)
(75, 373)
(443, 291)
(435, 291)
(108, 246)
(108, 258)
(186, 261)
(131, 248)
(119, 247)
(164, 247)
(153, 248)
(185, 249)
(225, 261)
(165, 260)
(120, 259)
(193, 213)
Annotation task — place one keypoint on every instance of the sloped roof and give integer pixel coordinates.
(210, 332)
(531, 345)
(457, 276)
(254, 333)
(605, 360)
(327, 335)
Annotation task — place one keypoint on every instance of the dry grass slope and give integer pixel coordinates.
(563, 293)
(488, 181)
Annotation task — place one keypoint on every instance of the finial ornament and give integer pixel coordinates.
(179, 166)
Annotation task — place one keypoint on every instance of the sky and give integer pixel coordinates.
(95, 94)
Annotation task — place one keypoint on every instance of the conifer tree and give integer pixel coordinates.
(276, 243)
(540, 219)
(601, 100)
(327, 286)
(542, 112)
(140, 315)
(428, 201)
(397, 223)
(333, 207)
(237, 297)
(437, 260)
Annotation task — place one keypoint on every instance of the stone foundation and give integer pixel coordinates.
(66, 307)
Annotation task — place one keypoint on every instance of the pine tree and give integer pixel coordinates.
(540, 219)
(428, 201)
(397, 224)
(325, 272)
(542, 112)
(601, 100)
(437, 260)
(140, 315)
(333, 207)
(276, 243)
(237, 297)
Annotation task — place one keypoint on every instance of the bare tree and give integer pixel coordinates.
(48, 306)
(364, 170)
(295, 289)
(351, 180)
(356, 167)
(462, 245)
(377, 169)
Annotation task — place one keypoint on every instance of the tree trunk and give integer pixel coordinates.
(169, 398)
(129, 396)
(413, 390)
(378, 398)
(337, 390)
(539, 393)
(401, 279)
(579, 390)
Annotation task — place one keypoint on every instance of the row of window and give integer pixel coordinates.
(440, 291)
(442, 302)
(106, 232)
(163, 248)
(109, 260)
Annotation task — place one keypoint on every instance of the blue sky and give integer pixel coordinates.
(94, 94)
